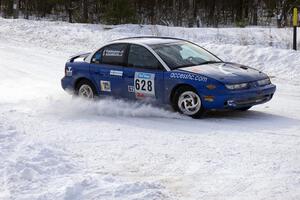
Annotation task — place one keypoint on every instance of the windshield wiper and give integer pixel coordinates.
(182, 66)
(191, 65)
(210, 62)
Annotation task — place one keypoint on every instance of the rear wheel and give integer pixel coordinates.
(85, 89)
(187, 101)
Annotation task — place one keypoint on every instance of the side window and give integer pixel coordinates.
(140, 57)
(113, 55)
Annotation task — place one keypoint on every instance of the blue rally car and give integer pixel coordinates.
(170, 71)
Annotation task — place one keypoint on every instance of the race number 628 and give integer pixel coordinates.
(143, 85)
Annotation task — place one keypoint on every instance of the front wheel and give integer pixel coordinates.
(188, 102)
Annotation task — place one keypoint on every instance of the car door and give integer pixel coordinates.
(144, 74)
(107, 69)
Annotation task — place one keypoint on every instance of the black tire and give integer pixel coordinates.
(244, 108)
(85, 82)
(200, 113)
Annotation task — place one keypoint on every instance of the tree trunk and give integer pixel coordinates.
(175, 22)
(179, 19)
(255, 13)
(211, 16)
(246, 9)
(68, 8)
(239, 11)
(157, 14)
(85, 11)
(191, 13)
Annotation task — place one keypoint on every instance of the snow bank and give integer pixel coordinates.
(281, 64)
(89, 36)
(258, 36)
(231, 44)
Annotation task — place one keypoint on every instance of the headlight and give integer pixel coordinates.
(263, 82)
(237, 86)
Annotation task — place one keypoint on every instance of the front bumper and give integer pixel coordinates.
(246, 102)
(241, 98)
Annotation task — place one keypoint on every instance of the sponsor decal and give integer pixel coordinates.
(140, 95)
(69, 71)
(142, 75)
(144, 84)
(131, 88)
(113, 53)
(186, 76)
(116, 73)
(105, 86)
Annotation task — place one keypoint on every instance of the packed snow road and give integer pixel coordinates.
(56, 147)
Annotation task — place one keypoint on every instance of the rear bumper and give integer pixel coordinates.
(67, 83)
(241, 99)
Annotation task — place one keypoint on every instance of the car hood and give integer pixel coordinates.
(227, 72)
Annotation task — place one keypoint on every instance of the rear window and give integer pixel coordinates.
(114, 54)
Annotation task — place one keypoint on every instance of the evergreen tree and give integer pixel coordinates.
(166, 12)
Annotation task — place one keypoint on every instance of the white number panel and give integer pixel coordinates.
(144, 84)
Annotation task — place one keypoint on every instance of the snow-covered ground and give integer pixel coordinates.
(56, 147)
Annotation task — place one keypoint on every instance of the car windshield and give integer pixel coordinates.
(183, 54)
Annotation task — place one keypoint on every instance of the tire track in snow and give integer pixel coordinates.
(33, 169)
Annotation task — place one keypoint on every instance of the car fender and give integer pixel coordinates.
(80, 71)
(205, 86)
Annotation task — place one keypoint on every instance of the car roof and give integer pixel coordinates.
(149, 40)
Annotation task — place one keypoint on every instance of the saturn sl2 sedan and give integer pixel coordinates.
(168, 71)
